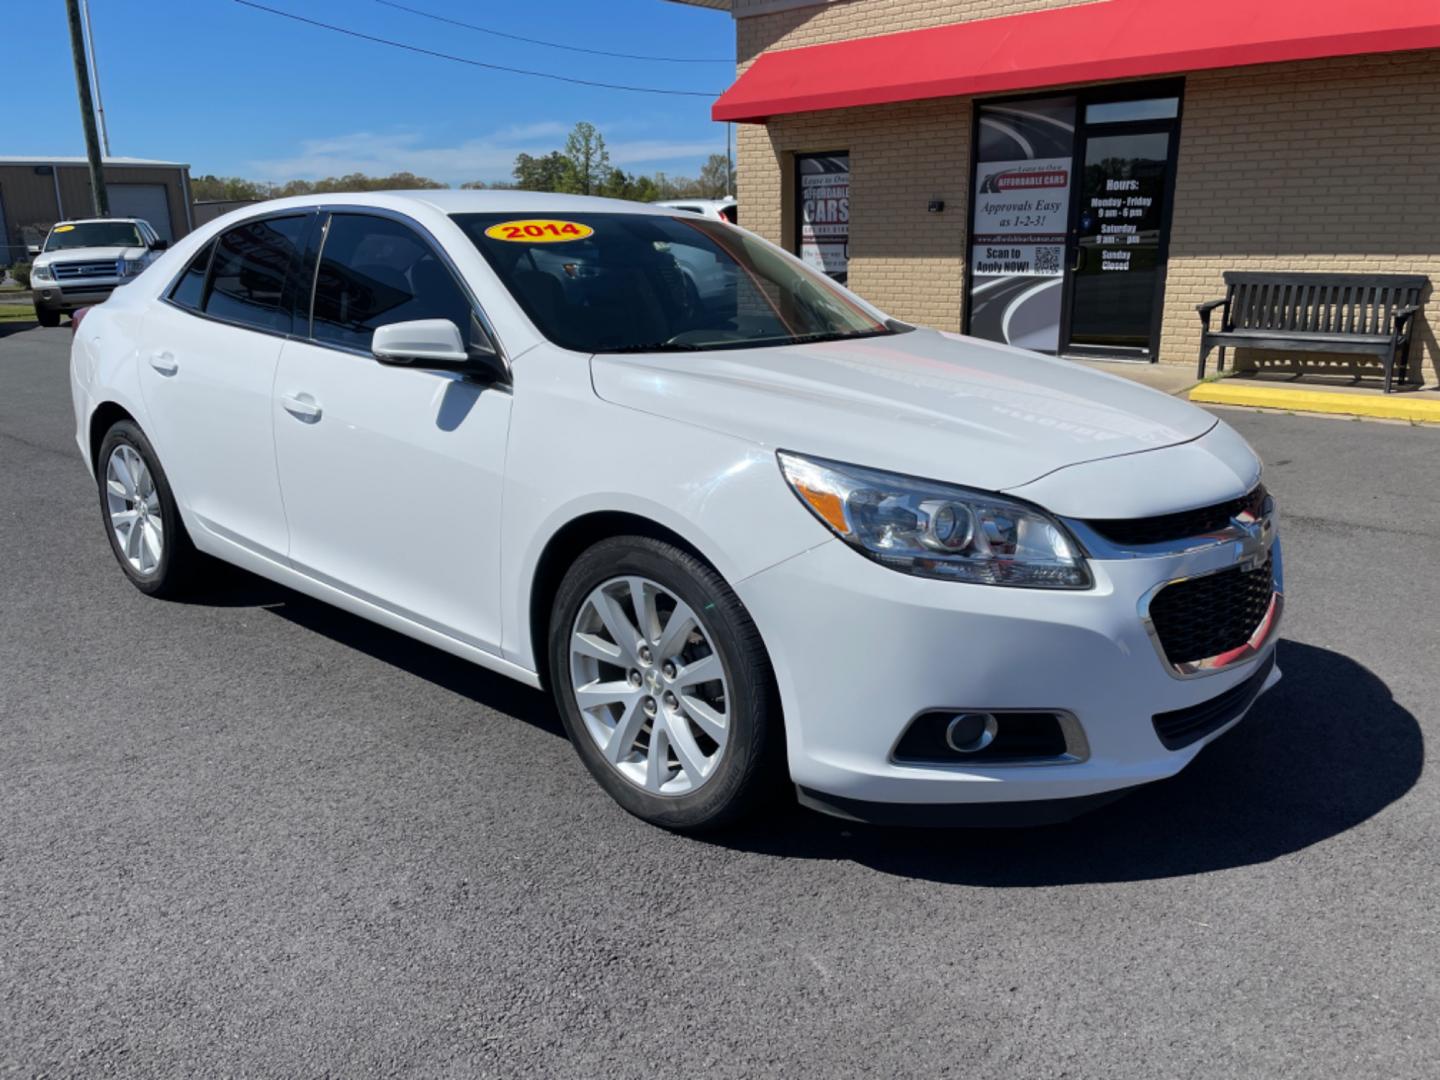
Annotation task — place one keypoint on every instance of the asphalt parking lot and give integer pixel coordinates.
(256, 836)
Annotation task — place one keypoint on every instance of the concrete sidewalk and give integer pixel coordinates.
(1169, 378)
(1287, 393)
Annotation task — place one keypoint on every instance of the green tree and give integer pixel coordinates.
(549, 173)
(643, 189)
(589, 160)
(620, 185)
(228, 188)
(400, 181)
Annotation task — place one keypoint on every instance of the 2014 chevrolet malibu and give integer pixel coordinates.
(741, 522)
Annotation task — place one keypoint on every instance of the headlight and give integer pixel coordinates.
(42, 273)
(130, 267)
(935, 530)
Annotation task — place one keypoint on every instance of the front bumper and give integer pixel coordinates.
(859, 650)
(72, 295)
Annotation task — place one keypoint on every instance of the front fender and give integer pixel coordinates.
(572, 454)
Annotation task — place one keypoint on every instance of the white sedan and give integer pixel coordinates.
(783, 536)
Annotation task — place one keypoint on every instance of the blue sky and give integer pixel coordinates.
(239, 92)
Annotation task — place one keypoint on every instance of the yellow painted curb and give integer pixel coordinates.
(1403, 406)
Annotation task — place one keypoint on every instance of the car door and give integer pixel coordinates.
(391, 475)
(207, 374)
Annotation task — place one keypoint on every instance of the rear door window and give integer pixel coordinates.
(375, 271)
(248, 275)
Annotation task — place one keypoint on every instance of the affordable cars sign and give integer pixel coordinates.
(823, 189)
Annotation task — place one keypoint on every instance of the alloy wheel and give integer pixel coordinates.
(650, 686)
(134, 508)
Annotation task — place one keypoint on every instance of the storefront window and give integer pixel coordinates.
(1115, 112)
(822, 189)
(1024, 156)
(1070, 204)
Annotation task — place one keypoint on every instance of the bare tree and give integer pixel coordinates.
(717, 179)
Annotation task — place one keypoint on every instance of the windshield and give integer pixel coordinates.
(646, 282)
(88, 234)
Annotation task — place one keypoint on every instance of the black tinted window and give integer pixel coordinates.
(190, 289)
(373, 272)
(247, 280)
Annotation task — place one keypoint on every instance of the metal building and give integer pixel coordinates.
(36, 192)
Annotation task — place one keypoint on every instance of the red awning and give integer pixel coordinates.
(1110, 39)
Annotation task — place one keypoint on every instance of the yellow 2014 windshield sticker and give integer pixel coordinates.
(63, 228)
(539, 231)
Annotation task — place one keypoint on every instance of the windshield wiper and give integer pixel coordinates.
(839, 335)
(659, 346)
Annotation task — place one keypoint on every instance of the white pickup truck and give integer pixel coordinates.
(82, 262)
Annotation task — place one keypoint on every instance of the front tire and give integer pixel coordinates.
(664, 685)
(47, 316)
(141, 517)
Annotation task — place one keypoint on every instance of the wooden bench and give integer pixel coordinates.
(1338, 313)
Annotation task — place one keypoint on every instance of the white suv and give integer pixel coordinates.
(82, 262)
(724, 209)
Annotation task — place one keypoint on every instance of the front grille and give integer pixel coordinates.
(1206, 616)
(66, 271)
(1180, 728)
(1131, 532)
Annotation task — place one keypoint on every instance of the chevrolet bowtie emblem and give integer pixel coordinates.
(1253, 546)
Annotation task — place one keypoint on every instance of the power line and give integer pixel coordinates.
(474, 63)
(553, 44)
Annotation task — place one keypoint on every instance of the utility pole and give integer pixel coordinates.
(729, 160)
(95, 75)
(87, 110)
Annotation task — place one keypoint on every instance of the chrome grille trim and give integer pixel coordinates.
(69, 271)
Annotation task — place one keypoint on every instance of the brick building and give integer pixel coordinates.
(1075, 175)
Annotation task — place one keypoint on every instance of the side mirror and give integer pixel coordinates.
(160, 245)
(33, 249)
(437, 344)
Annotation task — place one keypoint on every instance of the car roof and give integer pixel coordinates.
(729, 200)
(448, 201)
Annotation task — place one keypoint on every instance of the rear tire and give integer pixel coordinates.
(685, 755)
(140, 515)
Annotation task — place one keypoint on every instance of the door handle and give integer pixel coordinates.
(164, 362)
(302, 407)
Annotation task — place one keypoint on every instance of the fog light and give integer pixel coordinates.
(969, 733)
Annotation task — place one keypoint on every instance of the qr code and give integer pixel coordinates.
(1047, 260)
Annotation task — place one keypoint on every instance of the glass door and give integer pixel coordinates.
(1119, 236)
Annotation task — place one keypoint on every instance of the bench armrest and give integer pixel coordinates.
(1403, 315)
(1206, 309)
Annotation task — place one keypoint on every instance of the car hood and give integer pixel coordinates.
(93, 254)
(924, 403)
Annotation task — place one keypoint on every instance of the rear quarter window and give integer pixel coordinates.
(189, 290)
